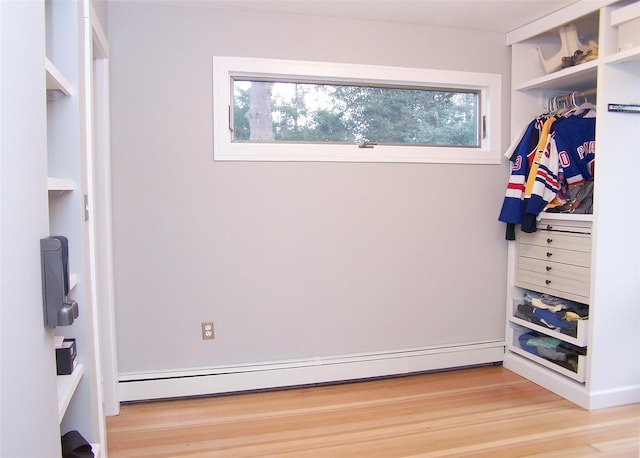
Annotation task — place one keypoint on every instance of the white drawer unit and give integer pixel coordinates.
(556, 260)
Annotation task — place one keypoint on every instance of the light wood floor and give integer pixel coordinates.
(487, 412)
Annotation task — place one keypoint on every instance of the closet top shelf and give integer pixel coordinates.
(576, 78)
(570, 13)
(581, 76)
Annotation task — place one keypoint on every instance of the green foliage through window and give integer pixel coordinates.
(289, 111)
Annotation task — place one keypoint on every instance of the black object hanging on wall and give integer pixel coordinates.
(59, 309)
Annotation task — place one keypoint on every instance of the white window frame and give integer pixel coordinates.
(226, 68)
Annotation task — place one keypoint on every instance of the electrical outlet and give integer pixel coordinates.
(207, 330)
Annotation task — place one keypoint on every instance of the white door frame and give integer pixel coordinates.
(100, 222)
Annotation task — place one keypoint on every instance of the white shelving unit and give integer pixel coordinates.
(609, 373)
(80, 393)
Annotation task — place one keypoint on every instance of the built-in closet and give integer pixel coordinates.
(587, 260)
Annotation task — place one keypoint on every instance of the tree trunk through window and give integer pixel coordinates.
(259, 114)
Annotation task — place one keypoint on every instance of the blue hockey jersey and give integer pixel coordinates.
(512, 206)
(568, 160)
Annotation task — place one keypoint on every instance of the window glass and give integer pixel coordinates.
(289, 111)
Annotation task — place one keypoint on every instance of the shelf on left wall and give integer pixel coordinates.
(56, 81)
(67, 385)
(60, 184)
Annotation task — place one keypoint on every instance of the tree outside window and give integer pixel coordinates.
(290, 111)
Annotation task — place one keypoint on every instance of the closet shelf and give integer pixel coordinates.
(56, 80)
(567, 216)
(580, 341)
(60, 184)
(512, 345)
(576, 78)
(577, 376)
(626, 56)
(67, 385)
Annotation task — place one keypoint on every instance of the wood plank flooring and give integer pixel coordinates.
(480, 412)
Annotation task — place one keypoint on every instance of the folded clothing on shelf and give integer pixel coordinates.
(555, 350)
(548, 319)
(554, 313)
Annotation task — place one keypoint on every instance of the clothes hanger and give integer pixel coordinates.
(586, 109)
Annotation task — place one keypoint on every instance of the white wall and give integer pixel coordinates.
(291, 260)
(28, 404)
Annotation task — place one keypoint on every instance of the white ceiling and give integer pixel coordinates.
(490, 15)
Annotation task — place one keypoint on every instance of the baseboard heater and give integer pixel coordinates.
(236, 378)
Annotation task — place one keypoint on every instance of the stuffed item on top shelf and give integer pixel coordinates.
(572, 51)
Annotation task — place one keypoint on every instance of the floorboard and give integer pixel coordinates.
(479, 412)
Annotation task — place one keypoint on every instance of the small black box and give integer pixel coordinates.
(66, 357)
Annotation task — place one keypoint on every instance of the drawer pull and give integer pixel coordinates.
(549, 240)
(548, 268)
(549, 254)
(548, 282)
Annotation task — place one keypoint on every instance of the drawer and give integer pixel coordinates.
(552, 254)
(553, 239)
(574, 288)
(575, 227)
(574, 369)
(578, 336)
(554, 270)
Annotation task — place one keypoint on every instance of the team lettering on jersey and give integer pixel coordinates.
(586, 148)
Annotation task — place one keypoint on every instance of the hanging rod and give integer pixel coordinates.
(568, 99)
(586, 92)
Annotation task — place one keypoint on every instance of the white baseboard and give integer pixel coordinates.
(613, 398)
(569, 389)
(226, 379)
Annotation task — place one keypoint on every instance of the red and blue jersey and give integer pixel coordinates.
(568, 160)
(512, 207)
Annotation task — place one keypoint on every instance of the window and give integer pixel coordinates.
(275, 110)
